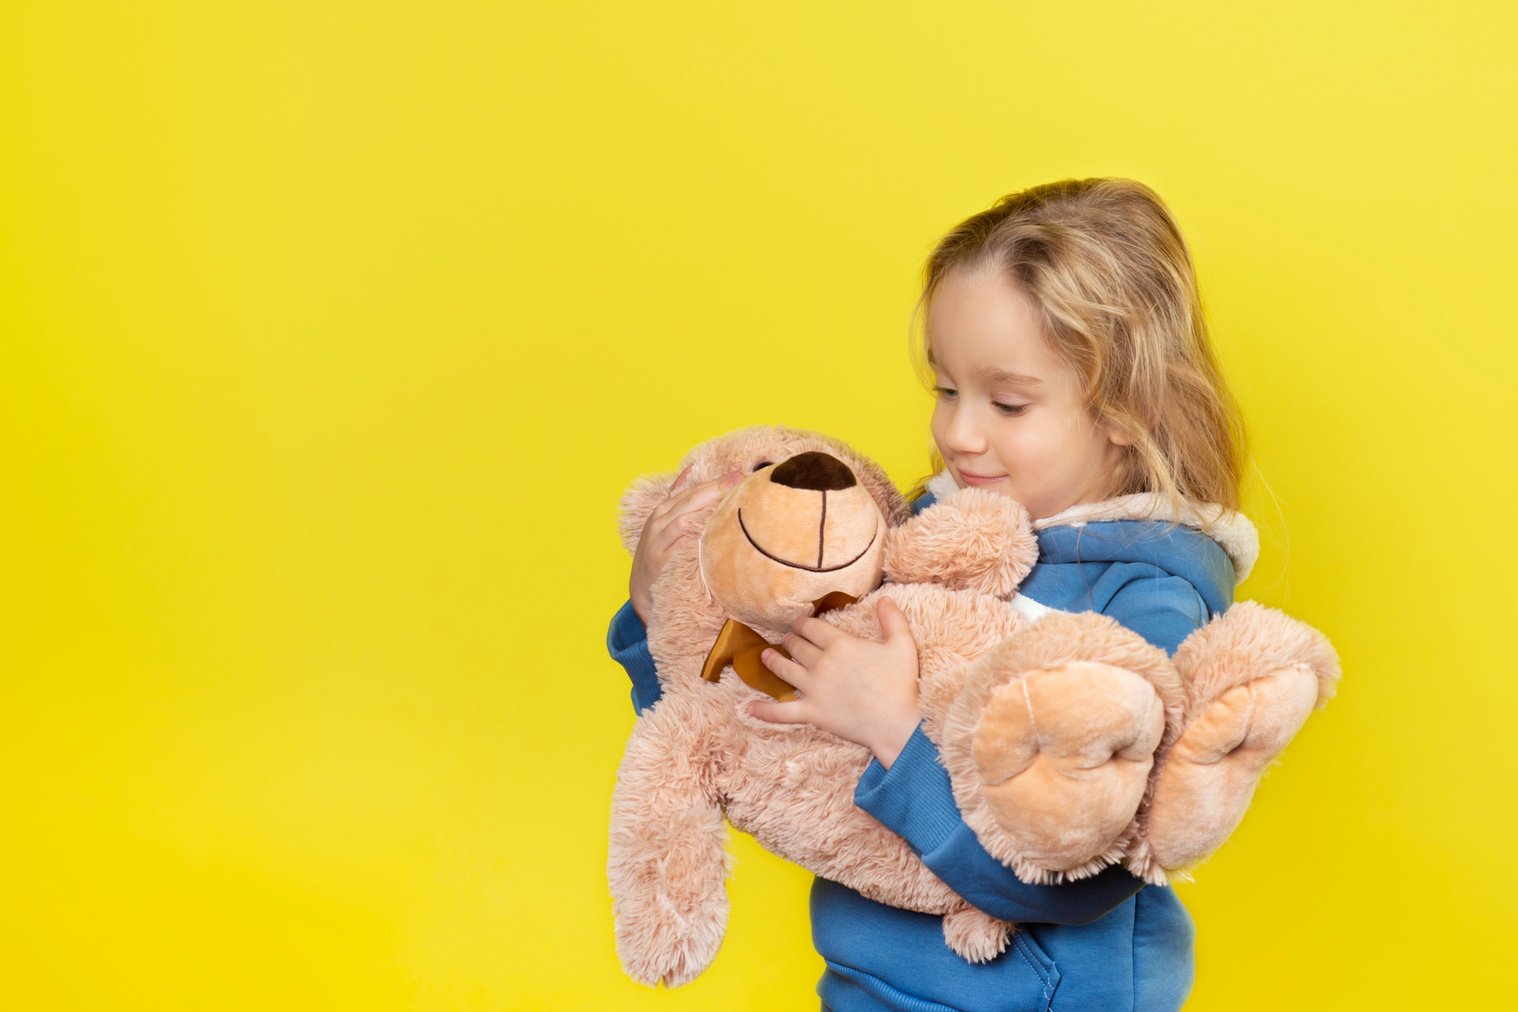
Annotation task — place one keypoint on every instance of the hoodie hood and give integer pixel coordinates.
(1087, 553)
(1233, 532)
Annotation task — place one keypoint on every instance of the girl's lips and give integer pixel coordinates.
(977, 479)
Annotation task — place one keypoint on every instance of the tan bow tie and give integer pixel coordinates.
(740, 646)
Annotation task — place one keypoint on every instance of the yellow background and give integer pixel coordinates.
(330, 334)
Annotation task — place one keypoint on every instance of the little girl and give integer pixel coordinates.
(1073, 372)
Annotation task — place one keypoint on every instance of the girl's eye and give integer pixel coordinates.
(1009, 409)
(946, 392)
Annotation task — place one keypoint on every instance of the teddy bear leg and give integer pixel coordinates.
(666, 864)
(1255, 675)
(1050, 743)
(974, 935)
(1064, 755)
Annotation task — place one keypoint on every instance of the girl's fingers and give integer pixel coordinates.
(705, 495)
(658, 526)
(805, 653)
(676, 501)
(668, 534)
(721, 484)
(817, 631)
(776, 712)
(692, 498)
(785, 668)
(672, 520)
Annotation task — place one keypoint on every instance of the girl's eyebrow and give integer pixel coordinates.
(992, 374)
(995, 375)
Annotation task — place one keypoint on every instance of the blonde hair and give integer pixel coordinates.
(1112, 279)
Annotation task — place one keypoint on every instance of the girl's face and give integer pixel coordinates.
(1010, 417)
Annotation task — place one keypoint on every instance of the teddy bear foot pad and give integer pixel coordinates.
(1064, 756)
(1211, 773)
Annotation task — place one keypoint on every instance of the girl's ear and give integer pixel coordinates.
(1119, 431)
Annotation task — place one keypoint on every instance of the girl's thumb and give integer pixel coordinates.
(893, 623)
(773, 711)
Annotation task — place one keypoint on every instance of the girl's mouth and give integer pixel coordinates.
(978, 479)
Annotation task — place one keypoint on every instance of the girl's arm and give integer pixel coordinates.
(627, 640)
(913, 799)
(866, 692)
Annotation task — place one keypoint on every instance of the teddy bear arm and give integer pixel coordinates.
(974, 540)
(1253, 676)
(667, 863)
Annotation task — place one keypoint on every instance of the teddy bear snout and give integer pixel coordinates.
(814, 471)
(791, 533)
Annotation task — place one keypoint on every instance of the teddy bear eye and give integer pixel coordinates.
(760, 466)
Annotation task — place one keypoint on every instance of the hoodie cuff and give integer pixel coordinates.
(913, 798)
(627, 641)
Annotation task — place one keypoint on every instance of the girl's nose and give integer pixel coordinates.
(962, 434)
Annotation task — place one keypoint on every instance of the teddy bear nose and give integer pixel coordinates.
(814, 471)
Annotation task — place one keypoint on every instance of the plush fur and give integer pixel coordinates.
(1051, 731)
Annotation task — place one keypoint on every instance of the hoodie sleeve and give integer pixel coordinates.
(1162, 608)
(914, 800)
(627, 641)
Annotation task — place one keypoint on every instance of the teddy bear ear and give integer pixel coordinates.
(638, 502)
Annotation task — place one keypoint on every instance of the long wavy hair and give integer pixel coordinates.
(1116, 294)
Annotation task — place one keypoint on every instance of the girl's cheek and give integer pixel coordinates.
(936, 428)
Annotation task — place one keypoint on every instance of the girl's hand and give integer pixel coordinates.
(669, 522)
(861, 691)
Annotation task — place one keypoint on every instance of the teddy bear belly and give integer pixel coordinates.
(952, 628)
(797, 800)
(792, 789)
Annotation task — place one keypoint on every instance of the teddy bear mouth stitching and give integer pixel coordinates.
(801, 565)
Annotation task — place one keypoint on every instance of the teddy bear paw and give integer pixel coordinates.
(1063, 756)
(974, 935)
(667, 871)
(1210, 773)
(671, 950)
(973, 540)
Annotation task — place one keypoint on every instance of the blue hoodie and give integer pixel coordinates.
(1103, 943)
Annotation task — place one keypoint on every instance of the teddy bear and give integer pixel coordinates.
(1071, 743)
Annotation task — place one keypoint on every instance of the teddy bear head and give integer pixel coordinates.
(790, 534)
(809, 518)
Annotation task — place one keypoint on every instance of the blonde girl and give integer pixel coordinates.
(1072, 370)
